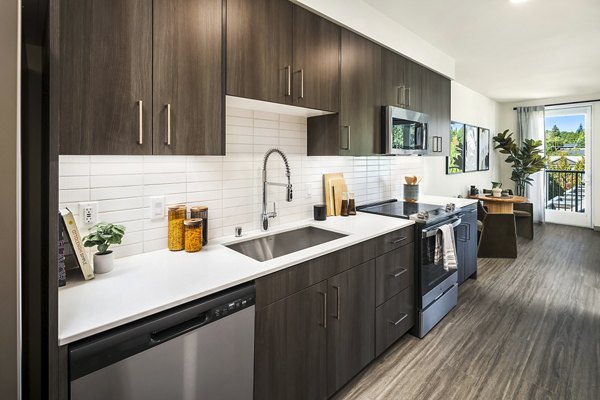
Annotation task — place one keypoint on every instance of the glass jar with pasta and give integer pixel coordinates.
(193, 235)
(176, 216)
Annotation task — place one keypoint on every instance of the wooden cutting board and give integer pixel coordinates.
(328, 192)
(338, 186)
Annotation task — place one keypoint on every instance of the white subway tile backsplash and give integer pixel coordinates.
(103, 181)
(229, 185)
(74, 182)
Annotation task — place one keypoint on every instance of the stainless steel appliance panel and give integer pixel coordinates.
(405, 131)
(433, 314)
(212, 362)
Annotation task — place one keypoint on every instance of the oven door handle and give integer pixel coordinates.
(426, 233)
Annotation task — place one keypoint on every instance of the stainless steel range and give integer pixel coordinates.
(437, 288)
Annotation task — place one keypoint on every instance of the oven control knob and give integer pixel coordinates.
(450, 207)
(423, 215)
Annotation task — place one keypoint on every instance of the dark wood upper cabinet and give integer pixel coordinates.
(291, 347)
(401, 81)
(316, 62)
(259, 49)
(105, 88)
(413, 97)
(436, 104)
(188, 98)
(351, 328)
(360, 103)
(393, 78)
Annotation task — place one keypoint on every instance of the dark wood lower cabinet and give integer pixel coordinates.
(393, 319)
(312, 338)
(350, 332)
(290, 348)
(466, 245)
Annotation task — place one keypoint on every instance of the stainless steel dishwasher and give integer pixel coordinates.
(200, 350)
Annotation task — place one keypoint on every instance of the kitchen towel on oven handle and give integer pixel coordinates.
(445, 248)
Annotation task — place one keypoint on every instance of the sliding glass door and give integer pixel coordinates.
(567, 178)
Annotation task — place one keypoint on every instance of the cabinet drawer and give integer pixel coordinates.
(394, 273)
(394, 240)
(286, 282)
(393, 319)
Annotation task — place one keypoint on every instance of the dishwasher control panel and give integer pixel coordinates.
(233, 306)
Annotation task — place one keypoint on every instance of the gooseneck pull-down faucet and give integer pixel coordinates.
(265, 214)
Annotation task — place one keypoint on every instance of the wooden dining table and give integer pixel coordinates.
(499, 234)
(499, 205)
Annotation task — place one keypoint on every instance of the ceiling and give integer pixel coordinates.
(511, 52)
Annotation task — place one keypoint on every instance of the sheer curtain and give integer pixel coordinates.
(530, 125)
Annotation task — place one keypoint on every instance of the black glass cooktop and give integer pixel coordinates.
(399, 209)
(420, 212)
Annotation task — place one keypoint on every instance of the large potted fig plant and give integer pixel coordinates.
(102, 236)
(526, 160)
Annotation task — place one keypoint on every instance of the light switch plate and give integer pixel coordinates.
(157, 207)
(89, 213)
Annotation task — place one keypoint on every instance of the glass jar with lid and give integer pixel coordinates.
(201, 212)
(176, 217)
(193, 235)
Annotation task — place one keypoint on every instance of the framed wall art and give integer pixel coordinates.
(471, 139)
(484, 149)
(455, 162)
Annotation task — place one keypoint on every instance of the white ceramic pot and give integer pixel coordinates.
(497, 192)
(104, 263)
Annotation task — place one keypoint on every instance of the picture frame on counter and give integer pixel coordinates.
(483, 153)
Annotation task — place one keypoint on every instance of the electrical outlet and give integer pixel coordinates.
(89, 213)
(157, 207)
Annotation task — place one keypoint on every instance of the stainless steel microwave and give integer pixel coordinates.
(404, 131)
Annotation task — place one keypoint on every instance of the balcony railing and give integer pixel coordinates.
(565, 190)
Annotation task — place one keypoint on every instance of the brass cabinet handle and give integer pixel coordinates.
(397, 274)
(337, 292)
(141, 122)
(324, 324)
(168, 141)
(402, 318)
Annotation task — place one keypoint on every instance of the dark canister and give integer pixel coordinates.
(201, 212)
(320, 212)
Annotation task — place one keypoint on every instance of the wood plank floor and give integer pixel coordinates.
(526, 329)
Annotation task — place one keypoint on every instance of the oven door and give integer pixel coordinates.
(434, 279)
(406, 131)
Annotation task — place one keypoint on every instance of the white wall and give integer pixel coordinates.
(509, 119)
(470, 108)
(360, 17)
(230, 186)
(10, 344)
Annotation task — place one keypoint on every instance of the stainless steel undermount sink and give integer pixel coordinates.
(279, 244)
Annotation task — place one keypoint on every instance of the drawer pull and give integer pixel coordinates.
(397, 274)
(400, 239)
(399, 321)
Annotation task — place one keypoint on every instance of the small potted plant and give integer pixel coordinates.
(103, 235)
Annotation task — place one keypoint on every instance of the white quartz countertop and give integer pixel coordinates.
(148, 283)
